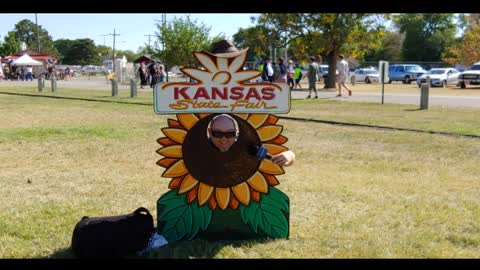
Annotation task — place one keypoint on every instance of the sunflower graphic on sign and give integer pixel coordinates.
(222, 194)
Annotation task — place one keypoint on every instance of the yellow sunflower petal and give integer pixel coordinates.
(274, 149)
(222, 64)
(242, 115)
(187, 184)
(204, 193)
(267, 166)
(188, 120)
(246, 75)
(177, 169)
(258, 182)
(223, 197)
(238, 62)
(267, 133)
(174, 151)
(197, 74)
(242, 193)
(203, 115)
(175, 134)
(206, 61)
(257, 119)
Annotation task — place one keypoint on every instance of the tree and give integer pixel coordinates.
(426, 35)
(466, 50)
(259, 39)
(77, 52)
(325, 34)
(390, 48)
(105, 50)
(181, 37)
(130, 55)
(26, 31)
(10, 45)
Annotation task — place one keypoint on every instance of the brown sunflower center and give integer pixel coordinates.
(220, 169)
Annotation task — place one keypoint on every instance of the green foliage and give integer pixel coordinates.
(268, 216)
(104, 50)
(181, 37)
(426, 35)
(78, 51)
(466, 50)
(390, 48)
(130, 55)
(10, 45)
(181, 220)
(259, 39)
(326, 34)
(26, 31)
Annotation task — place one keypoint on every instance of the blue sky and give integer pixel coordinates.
(131, 27)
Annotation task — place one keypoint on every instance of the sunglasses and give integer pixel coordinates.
(220, 134)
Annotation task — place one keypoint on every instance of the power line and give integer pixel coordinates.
(104, 38)
(149, 38)
(113, 54)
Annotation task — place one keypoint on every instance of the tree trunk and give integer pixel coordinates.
(332, 67)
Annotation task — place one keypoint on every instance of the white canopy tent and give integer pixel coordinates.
(25, 60)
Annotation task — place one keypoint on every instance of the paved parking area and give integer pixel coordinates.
(394, 93)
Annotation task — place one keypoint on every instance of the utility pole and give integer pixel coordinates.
(113, 54)
(38, 35)
(164, 20)
(149, 39)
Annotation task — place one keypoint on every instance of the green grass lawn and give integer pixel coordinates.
(354, 192)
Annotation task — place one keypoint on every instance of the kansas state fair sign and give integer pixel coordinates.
(222, 86)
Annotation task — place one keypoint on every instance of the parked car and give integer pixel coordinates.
(471, 76)
(367, 75)
(90, 70)
(440, 77)
(405, 73)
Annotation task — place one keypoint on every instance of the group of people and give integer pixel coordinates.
(280, 73)
(15, 72)
(292, 75)
(151, 74)
(313, 74)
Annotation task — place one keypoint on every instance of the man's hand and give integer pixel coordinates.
(284, 159)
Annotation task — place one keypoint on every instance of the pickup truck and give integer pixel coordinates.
(471, 76)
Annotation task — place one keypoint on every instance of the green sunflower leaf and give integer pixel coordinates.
(197, 220)
(258, 220)
(171, 195)
(269, 215)
(181, 219)
(207, 216)
(277, 196)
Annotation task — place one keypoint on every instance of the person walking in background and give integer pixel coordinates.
(282, 71)
(29, 70)
(152, 70)
(142, 73)
(298, 76)
(312, 75)
(290, 74)
(268, 71)
(162, 75)
(342, 72)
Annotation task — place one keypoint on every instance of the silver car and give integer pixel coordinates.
(367, 75)
(440, 77)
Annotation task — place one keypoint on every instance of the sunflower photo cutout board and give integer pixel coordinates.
(214, 194)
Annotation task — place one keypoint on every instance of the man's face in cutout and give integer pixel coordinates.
(222, 133)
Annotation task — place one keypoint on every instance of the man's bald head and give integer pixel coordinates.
(223, 131)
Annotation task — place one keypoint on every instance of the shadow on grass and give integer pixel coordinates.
(199, 248)
(413, 110)
(64, 253)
